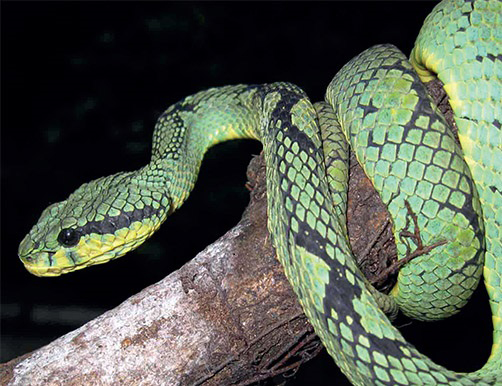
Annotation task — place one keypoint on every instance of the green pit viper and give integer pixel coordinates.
(379, 105)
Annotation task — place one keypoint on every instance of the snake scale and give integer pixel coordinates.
(378, 105)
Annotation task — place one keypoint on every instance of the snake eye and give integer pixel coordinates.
(68, 237)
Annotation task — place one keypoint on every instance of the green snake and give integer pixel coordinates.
(378, 105)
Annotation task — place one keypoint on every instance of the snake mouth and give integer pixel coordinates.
(44, 271)
(51, 264)
(58, 270)
(37, 264)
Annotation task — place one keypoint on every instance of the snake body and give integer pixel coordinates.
(379, 105)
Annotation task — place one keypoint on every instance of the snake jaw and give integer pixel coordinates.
(40, 263)
(42, 271)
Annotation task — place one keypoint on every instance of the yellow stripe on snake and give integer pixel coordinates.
(379, 105)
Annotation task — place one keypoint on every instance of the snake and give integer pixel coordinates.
(378, 106)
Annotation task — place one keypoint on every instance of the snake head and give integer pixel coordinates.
(100, 221)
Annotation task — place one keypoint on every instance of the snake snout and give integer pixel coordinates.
(26, 248)
(39, 263)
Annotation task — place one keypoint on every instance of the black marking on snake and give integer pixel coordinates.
(282, 113)
(110, 224)
(307, 237)
(496, 123)
(340, 293)
(51, 260)
(70, 254)
(171, 112)
(468, 13)
(468, 211)
(493, 58)
(180, 106)
(368, 109)
(251, 87)
(467, 118)
(312, 241)
(423, 107)
(474, 261)
(494, 189)
(283, 107)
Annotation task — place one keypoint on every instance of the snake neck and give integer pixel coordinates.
(187, 129)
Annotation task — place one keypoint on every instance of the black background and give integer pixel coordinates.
(82, 86)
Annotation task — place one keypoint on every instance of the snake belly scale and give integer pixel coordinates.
(378, 105)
